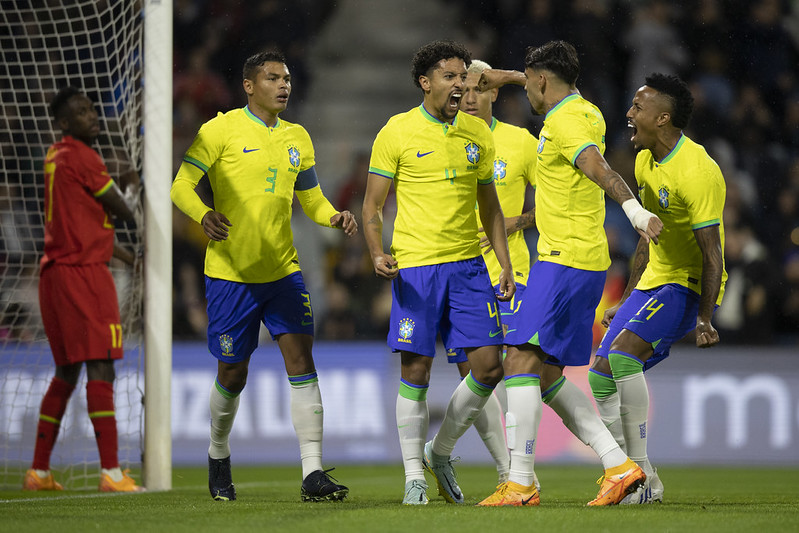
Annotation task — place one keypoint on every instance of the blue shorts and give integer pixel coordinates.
(660, 316)
(558, 312)
(235, 311)
(455, 299)
(507, 313)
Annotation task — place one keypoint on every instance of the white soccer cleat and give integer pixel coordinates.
(650, 492)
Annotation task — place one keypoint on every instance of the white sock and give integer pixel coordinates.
(608, 408)
(114, 473)
(634, 409)
(412, 423)
(521, 425)
(464, 407)
(307, 415)
(223, 413)
(578, 414)
(489, 425)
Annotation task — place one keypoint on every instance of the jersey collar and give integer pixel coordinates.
(493, 123)
(560, 104)
(426, 114)
(254, 118)
(674, 150)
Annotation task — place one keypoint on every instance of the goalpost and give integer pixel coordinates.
(119, 53)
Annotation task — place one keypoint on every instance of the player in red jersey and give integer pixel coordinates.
(76, 291)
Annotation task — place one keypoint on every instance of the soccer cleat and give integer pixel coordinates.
(512, 494)
(444, 474)
(650, 491)
(220, 481)
(126, 484)
(318, 486)
(415, 493)
(618, 482)
(34, 482)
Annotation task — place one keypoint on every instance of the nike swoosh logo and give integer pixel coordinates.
(493, 334)
(639, 321)
(420, 154)
(403, 426)
(317, 412)
(250, 150)
(308, 323)
(525, 502)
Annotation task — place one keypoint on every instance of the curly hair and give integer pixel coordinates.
(678, 93)
(58, 105)
(558, 57)
(254, 62)
(430, 54)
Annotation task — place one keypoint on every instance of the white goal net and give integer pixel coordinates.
(97, 46)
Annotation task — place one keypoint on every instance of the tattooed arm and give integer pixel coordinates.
(712, 267)
(593, 165)
(377, 188)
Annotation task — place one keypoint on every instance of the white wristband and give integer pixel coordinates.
(639, 217)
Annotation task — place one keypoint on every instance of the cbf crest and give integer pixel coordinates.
(294, 156)
(663, 197)
(226, 343)
(406, 327)
(472, 153)
(500, 169)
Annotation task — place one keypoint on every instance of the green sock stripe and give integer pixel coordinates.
(523, 380)
(417, 393)
(101, 414)
(303, 379)
(224, 392)
(550, 393)
(477, 387)
(623, 364)
(49, 419)
(602, 385)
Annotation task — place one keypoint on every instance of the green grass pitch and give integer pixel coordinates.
(702, 499)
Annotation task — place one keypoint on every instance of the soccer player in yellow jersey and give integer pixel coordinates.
(554, 326)
(514, 171)
(674, 287)
(256, 163)
(440, 161)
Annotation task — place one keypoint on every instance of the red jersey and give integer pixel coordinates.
(77, 230)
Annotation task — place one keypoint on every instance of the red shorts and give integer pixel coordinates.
(80, 313)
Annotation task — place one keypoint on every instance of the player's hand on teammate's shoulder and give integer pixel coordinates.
(346, 221)
(385, 266)
(706, 334)
(215, 225)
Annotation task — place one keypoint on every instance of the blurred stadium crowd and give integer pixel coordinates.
(741, 59)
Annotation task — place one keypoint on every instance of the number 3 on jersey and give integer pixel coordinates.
(271, 179)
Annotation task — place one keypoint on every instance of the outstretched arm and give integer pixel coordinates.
(377, 188)
(593, 165)
(709, 242)
(494, 78)
(494, 223)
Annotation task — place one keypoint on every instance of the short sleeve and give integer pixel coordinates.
(384, 160)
